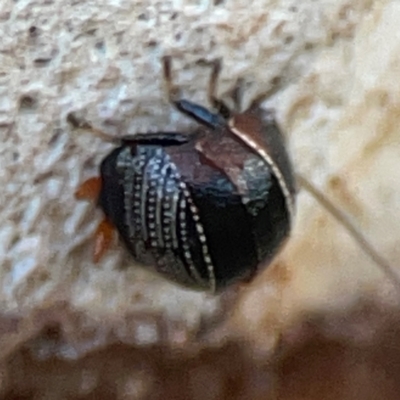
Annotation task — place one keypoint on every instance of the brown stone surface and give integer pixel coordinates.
(345, 356)
(72, 329)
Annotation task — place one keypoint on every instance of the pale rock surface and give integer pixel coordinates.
(337, 102)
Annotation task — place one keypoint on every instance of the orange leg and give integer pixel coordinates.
(90, 189)
(104, 235)
(103, 239)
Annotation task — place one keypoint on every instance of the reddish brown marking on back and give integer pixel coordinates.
(89, 190)
(250, 125)
(226, 153)
(103, 239)
(187, 159)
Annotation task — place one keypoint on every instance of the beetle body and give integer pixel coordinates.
(206, 208)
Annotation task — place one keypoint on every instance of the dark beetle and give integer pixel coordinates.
(205, 208)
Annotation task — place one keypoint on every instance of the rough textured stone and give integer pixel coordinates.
(333, 69)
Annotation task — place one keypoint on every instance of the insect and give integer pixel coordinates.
(206, 208)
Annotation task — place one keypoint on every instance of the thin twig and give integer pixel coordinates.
(357, 235)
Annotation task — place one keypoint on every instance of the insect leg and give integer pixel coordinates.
(89, 189)
(78, 123)
(216, 103)
(103, 239)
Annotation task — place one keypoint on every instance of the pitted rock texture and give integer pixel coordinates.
(332, 70)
